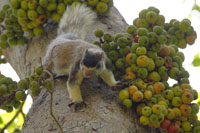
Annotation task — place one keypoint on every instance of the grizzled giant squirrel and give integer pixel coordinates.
(69, 54)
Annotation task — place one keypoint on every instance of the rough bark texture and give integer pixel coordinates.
(103, 112)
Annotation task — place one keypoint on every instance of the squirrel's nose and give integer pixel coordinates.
(88, 73)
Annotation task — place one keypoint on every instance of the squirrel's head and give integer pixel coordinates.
(92, 62)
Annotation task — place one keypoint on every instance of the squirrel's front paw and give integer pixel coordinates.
(77, 106)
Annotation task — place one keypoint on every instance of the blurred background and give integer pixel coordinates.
(178, 9)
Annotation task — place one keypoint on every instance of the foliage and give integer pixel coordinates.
(196, 6)
(196, 61)
(16, 124)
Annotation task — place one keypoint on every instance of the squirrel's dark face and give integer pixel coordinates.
(92, 62)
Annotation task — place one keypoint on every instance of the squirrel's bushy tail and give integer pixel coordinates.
(76, 20)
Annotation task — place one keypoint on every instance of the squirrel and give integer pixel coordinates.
(69, 54)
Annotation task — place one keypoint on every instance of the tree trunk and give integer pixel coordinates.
(103, 112)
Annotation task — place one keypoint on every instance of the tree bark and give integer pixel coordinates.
(103, 112)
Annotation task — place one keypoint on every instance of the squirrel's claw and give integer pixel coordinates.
(77, 106)
(121, 84)
(58, 76)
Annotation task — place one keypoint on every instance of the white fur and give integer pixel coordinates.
(95, 50)
(76, 20)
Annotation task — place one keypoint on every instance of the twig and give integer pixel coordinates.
(51, 101)
(51, 112)
(101, 41)
(10, 122)
(8, 98)
(2, 28)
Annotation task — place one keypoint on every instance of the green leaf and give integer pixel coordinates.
(198, 100)
(17, 123)
(12, 127)
(196, 7)
(20, 121)
(1, 120)
(196, 61)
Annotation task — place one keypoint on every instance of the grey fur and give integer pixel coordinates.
(69, 36)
